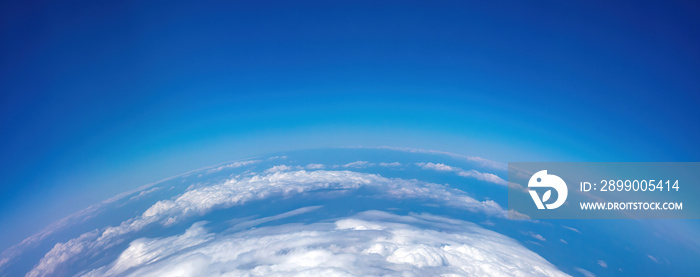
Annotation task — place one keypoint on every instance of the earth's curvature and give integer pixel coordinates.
(333, 212)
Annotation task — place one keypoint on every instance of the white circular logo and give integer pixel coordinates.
(543, 180)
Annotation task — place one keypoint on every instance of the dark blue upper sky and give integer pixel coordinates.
(100, 97)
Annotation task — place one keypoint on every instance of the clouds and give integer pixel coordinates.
(653, 258)
(534, 235)
(584, 272)
(478, 160)
(602, 263)
(571, 228)
(437, 166)
(358, 164)
(368, 243)
(278, 168)
(235, 164)
(143, 250)
(246, 203)
(487, 177)
(315, 166)
(234, 192)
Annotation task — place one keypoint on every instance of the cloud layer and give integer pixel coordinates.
(368, 244)
(235, 192)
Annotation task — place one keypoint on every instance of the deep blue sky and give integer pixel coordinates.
(100, 97)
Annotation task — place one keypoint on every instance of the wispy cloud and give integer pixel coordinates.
(571, 228)
(145, 193)
(653, 258)
(235, 164)
(534, 235)
(315, 166)
(488, 177)
(359, 164)
(584, 272)
(478, 160)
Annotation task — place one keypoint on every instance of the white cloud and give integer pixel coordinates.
(144, 193)
(563, 241)
(359, 164)
(585, 273)
(437, 166)
(278, 168)
(602, 263)
(481, 161)
(534, 235)
(517, 186)
(315, 166)
(653, 258)
(277, 158)
(369, 243)
(394, 164)
(200, 201)
(571, 228)
(489, 163)
(488, 177)
(255, 222)
(144, 250)
(235, 164)
(513, 214)
(11, 253)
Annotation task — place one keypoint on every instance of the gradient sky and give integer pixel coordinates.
(98, 98)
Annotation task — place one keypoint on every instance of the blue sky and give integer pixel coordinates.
(98, 98)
